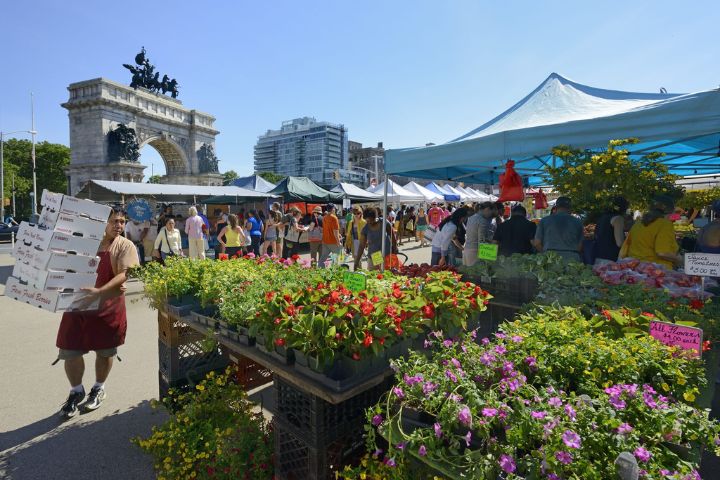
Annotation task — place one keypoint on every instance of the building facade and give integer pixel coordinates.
(369, 160)
(304, 147)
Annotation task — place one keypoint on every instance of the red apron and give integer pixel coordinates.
(96, 329)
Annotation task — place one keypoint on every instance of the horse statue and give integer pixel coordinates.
(140, 58)
(173, 88)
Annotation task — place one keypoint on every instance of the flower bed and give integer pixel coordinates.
(551, 396)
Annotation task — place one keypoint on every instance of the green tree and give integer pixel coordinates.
(229, 176)
(51, 159)
(592, 179)
(155, 179)
(272, 177)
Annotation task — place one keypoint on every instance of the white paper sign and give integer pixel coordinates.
(702, 264)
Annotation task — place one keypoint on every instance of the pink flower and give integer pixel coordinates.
(451, 376)
(617, 402)
(564, 457)
(642, 454)
(489, 412)
(377, 420)
(428, 387)
(537, 414)
(468, 438)
(570, 412)
(465, 417)
(422, 451)
(571, 439)
(500, 349)
(624, 428)
(438, 430)
(555, 401)
(398, 392)
(507, 463)
(516, 338)
(531, 361)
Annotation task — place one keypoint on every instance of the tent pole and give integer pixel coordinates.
(384, 219)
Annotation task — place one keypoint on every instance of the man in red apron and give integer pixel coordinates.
(101, 330)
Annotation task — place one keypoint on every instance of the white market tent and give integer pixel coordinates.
(396, 193)
(355, 193)
(463, 196)
(686, 127)
(112, 191)
(429, 195)
(440, 190)
(482, 197)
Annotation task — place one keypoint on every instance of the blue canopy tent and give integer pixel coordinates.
(253, 182)
(447, 195)
(686, 127)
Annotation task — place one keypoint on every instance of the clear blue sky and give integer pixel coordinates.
(401, 72)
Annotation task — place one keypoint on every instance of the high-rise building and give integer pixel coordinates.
(304, 147)
(370, 160)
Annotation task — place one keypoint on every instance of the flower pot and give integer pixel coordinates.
(181, 306)
(283, 354)
(243, 336)
(309, 361)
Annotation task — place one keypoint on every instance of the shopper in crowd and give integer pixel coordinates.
(499, 213)
(253, 227)
(315, 234)
(168, 242)
(270, 234)
(610, 232)
(331, 240)
(421, 225)
(194, 230)
(457, 244)
(435, 215)
(149, 239)
(352, 232)
(480, 229)
(102, 330)
(516, 234)
(708, 240)
(446, 211)
(391, 215)
(371, 236)
(280, 228)
(652, 239)
(136, 231)
(293, 230)
(561, 233)
(166, 214)
(221, 221)
(399, 223)
(445, 236)
(232, 237)
(410, 222)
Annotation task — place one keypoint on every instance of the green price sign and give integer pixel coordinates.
(355, 281)
(376, 258)
(487, 251)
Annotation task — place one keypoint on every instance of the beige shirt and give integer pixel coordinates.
(123, 255)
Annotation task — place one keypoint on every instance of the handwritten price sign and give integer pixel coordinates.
(355, 281)
(688, 338)
(702, 264)
(488, 251)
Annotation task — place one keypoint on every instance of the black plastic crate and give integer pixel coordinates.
(189, 359)
(513, 290)
(320, 422)
(296, 459)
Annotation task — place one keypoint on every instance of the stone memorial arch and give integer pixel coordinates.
(111, 123)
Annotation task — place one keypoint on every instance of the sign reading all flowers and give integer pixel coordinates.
(688, 338)
(355, 281)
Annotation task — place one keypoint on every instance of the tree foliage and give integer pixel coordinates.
(155, 179)
(272, 177)
(699, 198)
(592, 179)
(229, 176)
(51, 159)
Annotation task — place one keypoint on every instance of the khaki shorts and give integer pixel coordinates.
(68, 354)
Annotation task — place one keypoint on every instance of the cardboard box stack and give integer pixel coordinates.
(57, 258)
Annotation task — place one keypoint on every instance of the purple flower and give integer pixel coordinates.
(485, 341)
(648, 388)
(377, 452)
(422, 451)
(649, 400)
(429, 387)
(552, 476)
(390, 462)
(427, 344)
(631, 389)
(447, 343)
(451, 376)
(468, 438)
(398, 392)
(613, 391)
(500, 349)
(564, 457)
(531, 361)
(624, 428)
(570, 412)
(642, 454)
(500, 335)
(571, 439)
(410, 381)
(487, 358)
(464, 416)
(538, 414)
(489, 412)
(617, 402)
(508, 367)
(516, 338)
(507, 463)
(401, 445)
(377, 420)
(455, 397)
(456, 362)
(555, 401)
(438, 430)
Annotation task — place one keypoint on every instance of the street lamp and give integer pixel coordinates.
(2, 168)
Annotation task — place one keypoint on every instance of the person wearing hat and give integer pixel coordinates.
(652, 239)
(352, 232)
(315, 234)
(709, 238)
(479, 229)
(560, 233)
(331, 241)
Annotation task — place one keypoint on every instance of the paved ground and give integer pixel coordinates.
(34, 443)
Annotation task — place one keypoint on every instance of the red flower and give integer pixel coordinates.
(697, 304)
(331, 309)
(429, 311)
(280, 342)
(339, 336)
(295, 257)
(648, 314)
(356, 356)
(210, 471)
(269, 296)
(606, 314)
(398, 331)
(381, 341)
(277, 321)
(368, 340)
(335, 296)
(706, 346)
(223, 256)
(367, 308)
(397, 293)
(290, 310)
(287, 298)
(380, 276)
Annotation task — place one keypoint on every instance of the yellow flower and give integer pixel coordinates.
(200, 387)
(607, 170)
(689, 396)
(665, 387)
(681, 381)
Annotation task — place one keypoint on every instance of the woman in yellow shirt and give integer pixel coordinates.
(235, 237)
(652, 239)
